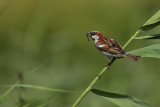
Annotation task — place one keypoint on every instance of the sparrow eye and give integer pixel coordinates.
(93, 33)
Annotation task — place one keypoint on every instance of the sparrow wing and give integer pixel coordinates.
(111, 46)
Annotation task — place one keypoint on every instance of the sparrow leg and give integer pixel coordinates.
(109, 60)
(107, 64)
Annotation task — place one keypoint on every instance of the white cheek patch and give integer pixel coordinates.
(100, 46)
(95, 37)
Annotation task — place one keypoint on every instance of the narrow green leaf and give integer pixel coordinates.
(149, 51)
(153, 22)
(120, 100)
(38, 87)
(154, 36)
(150, 26)
(155, 17)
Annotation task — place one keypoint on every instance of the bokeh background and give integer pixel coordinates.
(51, 35)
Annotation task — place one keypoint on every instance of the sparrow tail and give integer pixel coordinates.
(133, 57)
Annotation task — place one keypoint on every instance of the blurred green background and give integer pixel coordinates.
(52, 34)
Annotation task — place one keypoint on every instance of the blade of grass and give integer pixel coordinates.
(38, 87)
(153, 36)
(152, 22)
(149, 51)
(155, 17)
(150, 26)
(120, 99)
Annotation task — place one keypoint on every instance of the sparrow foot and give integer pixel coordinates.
(107, 64)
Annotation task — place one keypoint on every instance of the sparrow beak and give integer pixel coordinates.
(88, 35)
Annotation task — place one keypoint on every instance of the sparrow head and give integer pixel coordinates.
(95, 35)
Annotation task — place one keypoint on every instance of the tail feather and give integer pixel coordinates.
(133, 57)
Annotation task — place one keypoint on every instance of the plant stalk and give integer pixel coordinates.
(101, 73)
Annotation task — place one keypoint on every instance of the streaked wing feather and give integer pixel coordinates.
(113, 46)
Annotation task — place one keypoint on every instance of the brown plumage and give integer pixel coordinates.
(109, 47)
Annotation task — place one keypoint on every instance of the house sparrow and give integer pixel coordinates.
(109, 47)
